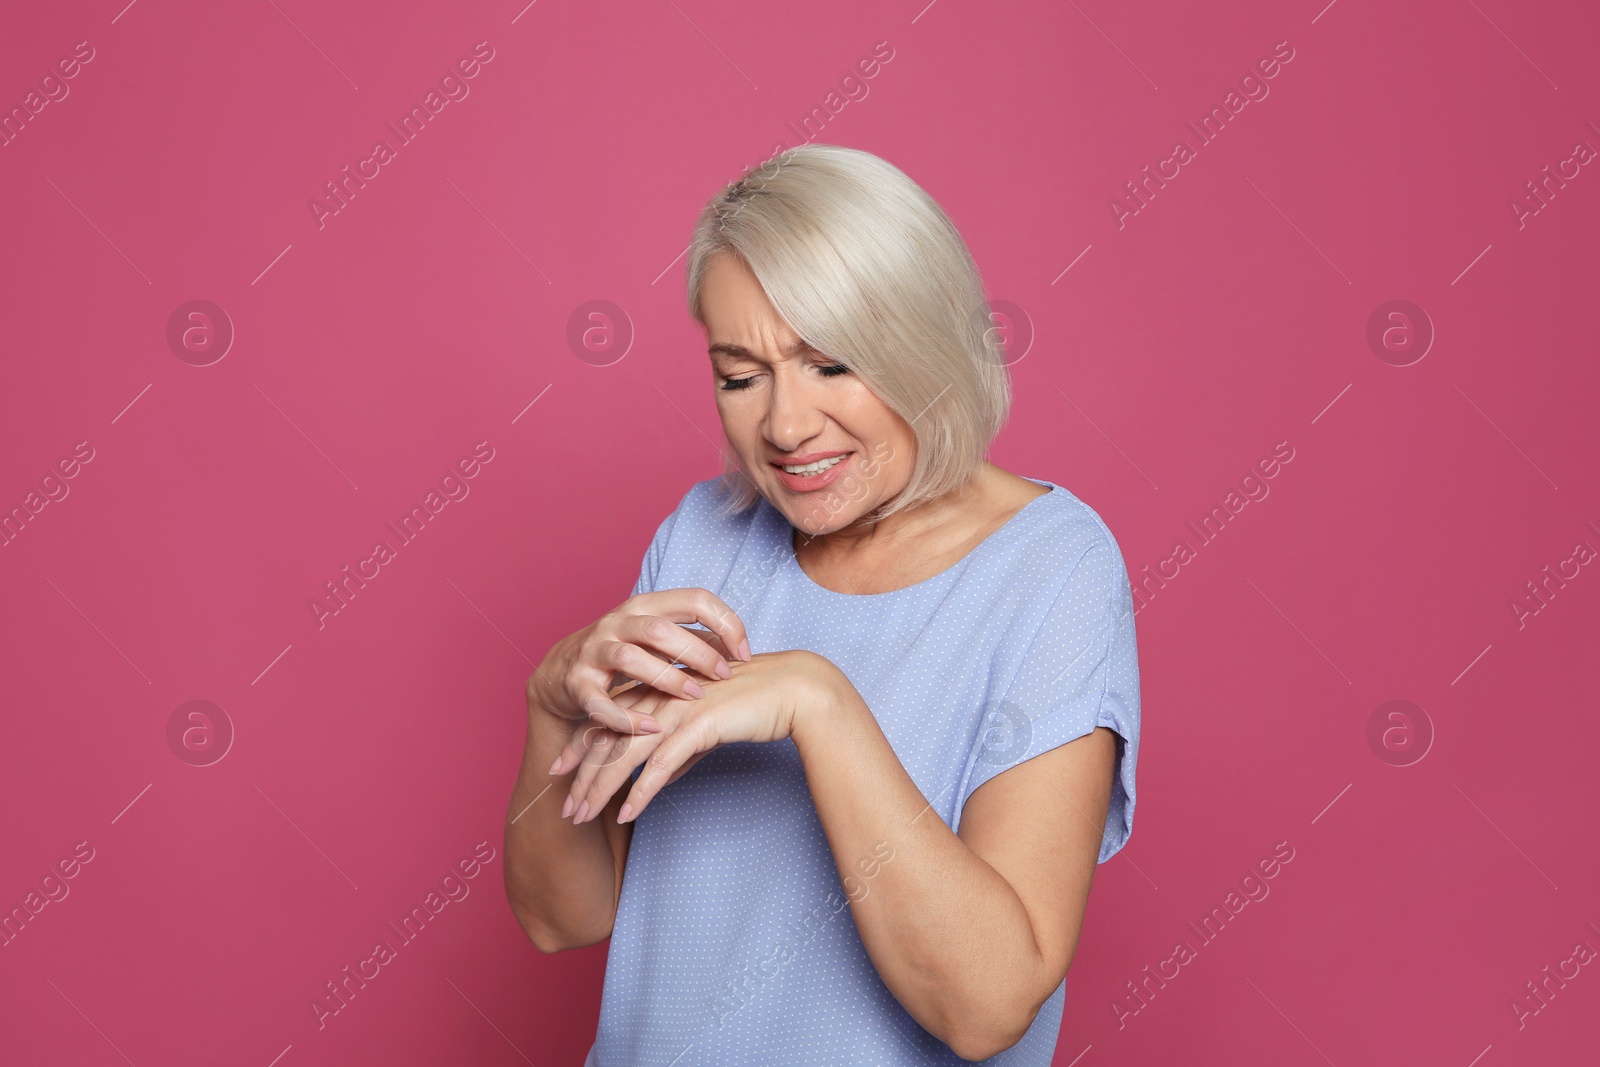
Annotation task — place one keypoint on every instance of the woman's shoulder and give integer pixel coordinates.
(1063, 523)
(697, 541)
(1066, 554)
(705, 505)
(702, 516)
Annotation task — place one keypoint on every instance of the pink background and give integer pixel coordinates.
(1230, 313)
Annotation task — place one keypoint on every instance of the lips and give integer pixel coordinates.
(808, 457)
(809, 483)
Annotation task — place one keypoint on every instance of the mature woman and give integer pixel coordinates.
(859, 825)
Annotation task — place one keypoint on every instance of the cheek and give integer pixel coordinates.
(889, 441)
(734, 415)
(860, 414)
(741, 423)
(741, 426)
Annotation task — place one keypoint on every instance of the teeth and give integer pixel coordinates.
(814, 468)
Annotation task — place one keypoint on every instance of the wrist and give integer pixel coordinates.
(539, 706)
(822, 701)
(542, 693)
(545, 691)
(548, 733)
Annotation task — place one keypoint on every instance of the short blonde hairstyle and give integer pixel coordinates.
(869, 270)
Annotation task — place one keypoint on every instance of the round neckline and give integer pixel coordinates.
(994, 536)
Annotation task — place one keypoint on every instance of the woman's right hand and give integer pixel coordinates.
(638, 640)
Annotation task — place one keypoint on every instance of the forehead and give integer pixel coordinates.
(738, 316)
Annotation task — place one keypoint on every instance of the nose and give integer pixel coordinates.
(793, 416)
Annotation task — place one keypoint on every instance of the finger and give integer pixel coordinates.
(697, 605)
(625, 653)
(643, 700)
(607, 712)
(685, 645)
(603, 747)
(673, 752)
(688, 763)
(571, 757)
(713, 640)
(617, 767)
(577, 748)
(716, 642)
(573, 751)
(630, 698)
(615, 774)
(607, 750)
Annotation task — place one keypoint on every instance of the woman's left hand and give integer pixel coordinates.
(759, 703)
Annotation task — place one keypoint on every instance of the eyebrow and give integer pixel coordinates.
(794, 347)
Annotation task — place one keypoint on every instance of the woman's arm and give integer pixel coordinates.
(972, 933)
(563, 881)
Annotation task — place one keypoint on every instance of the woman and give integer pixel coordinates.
(860, 825)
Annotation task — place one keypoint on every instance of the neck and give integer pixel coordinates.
(903, 526)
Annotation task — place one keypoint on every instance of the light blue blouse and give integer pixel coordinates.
(734, 941)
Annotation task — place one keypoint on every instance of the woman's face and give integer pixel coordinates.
(784, 404)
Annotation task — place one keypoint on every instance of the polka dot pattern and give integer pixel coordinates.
(734, 942)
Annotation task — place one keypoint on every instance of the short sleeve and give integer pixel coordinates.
(651, 566)
(1080, 671)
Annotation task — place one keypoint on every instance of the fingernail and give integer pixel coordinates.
(553, 765)
(723, 670)
(627, 810)
(566, 806)
(583, 809)
(650, 726)
(693, 689)
(744, 647)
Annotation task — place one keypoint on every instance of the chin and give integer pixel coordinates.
(818, 519)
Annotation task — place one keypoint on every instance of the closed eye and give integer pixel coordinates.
(827, 370)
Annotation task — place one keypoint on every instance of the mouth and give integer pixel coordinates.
(816, 471)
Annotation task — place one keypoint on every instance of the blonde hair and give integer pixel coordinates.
(868, 269)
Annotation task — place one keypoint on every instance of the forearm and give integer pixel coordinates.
(948, 935)
(561, 880)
